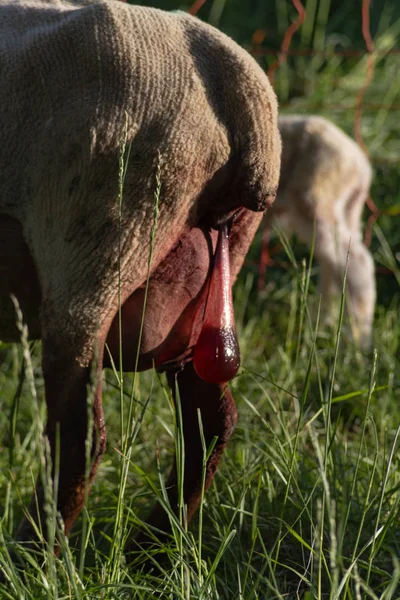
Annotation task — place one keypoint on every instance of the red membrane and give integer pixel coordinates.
(216, 355)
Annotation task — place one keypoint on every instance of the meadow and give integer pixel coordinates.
(306, 501)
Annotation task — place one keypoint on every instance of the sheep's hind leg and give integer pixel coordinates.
(218, 418)
(75, 322)
(74, 420)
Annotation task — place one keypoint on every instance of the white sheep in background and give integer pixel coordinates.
(326, 177)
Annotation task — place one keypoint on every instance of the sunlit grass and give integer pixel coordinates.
(307, 495)
(305, 503)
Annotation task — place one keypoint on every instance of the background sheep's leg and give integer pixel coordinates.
(361, 270)
(354, 207)
(326, 253)
(333, 243)
(361, 291)
(74, 416)
(329, 285)
(218, 416)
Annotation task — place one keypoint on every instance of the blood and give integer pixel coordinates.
(216, 355)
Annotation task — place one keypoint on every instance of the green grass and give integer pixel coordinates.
(306, 500)
(305, 503)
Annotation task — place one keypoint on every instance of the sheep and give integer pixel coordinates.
(79, 78)
(326, 177)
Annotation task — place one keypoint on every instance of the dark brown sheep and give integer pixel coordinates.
(73, 74)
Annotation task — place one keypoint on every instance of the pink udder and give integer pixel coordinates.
(216, 355)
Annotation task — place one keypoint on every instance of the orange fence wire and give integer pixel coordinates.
(359, 109)
(287, 39)
(196, 6)
(257, 50)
